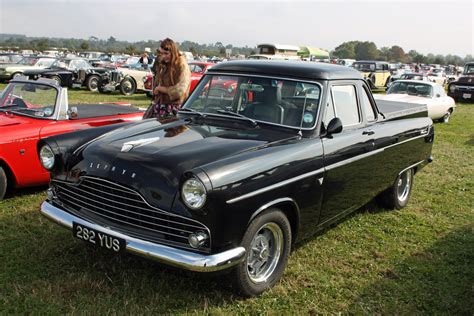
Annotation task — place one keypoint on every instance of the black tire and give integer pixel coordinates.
(252, 277)
(127, 86)
(57, 79)
(92, 83)
(398, 195)
(3, 183)
(447, 116)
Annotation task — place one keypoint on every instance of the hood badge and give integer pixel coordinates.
(126, 147)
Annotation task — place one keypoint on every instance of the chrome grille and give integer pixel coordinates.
(81, 75)
(107, 203)
(114, 76)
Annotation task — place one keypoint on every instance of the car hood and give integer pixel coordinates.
(466, 79)
(403, 98)
(152, 158)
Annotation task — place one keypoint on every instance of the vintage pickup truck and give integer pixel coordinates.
(30, 110)
(237, 178)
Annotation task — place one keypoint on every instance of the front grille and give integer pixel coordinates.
(82, 75)
(106, 203)
(114, 76)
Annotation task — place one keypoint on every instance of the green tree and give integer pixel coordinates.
(366, 50)
(397, 54)
(84, 46)
(345, 50)
(42, 44)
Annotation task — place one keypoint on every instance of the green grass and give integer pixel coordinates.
(419, 260)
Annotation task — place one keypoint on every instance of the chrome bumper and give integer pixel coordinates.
(172, 256)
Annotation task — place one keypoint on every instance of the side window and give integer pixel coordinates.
(345, 103)
(368, 109)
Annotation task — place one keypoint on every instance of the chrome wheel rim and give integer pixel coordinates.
(446, 117)
(265, 251)
(58, 81)
(17, 75)
(403, 186)
(93, 84)
(127, 87)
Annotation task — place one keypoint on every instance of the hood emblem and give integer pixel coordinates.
(126, 147)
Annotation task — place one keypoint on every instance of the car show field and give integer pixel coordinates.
(413, 261)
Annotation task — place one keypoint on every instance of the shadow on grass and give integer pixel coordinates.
(439, 279)
(18, 193)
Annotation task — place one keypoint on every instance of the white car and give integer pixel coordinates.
(440, 106)
(437, 77)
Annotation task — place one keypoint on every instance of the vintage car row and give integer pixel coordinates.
(126, 80)
(377, 73)
(30, 110)
(70, 72)
(236, 179)
(463, 88)
(440, 106)
(9, 71)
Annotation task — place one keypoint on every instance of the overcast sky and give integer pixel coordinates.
(439, 27)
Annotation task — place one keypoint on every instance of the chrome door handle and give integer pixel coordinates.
(369, 132)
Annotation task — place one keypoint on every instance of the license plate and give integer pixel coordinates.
(98, 238)
(466, 95)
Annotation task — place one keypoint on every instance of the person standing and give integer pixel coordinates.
(172, 80)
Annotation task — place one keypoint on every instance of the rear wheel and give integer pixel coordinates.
(92, 83)
(397, 196)
(17, 75)
(267, 242)
(3, 183)
(128, 86)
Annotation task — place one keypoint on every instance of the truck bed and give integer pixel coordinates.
(393, 110)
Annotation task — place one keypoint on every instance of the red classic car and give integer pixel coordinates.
(31, 110)
(197, 71)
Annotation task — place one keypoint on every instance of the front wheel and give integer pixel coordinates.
(57, 79)
(128, 86)
(267, 242)
(447, 116)
(397, 196)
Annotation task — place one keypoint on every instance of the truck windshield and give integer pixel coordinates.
(263, 99)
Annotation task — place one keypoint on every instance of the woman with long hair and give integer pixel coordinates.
(172, 80)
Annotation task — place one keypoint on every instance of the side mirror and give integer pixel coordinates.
(334, 126)
(438, 95)
(72, 112)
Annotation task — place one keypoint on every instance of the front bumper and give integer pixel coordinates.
(168, 255)
(462, 93)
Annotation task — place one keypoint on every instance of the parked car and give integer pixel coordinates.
(233, 183)
(438, 77)
(463, 87)
(30, 110)
(440, 106)
(10, 58)
(408, 76)
(126, 80)
(377, 73)
(197, 71)
(70, 72)
(9, 71)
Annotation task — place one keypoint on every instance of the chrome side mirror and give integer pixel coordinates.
(72, 112)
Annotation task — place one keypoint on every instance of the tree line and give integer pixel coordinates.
(358, 50)
(368, 51)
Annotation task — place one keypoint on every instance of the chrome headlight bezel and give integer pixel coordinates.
(193, 193)
(47, 157)
(452, 88)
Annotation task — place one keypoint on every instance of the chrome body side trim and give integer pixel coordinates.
(168, 255)
(412, 166)
(329, 167)
(274, 202)
(274, 186)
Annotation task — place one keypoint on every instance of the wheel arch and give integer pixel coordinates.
(11, 179)
(289, 207)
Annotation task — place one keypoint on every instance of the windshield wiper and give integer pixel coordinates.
(192, 111)
(254, 123)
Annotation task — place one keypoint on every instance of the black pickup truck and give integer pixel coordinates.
(261, 155)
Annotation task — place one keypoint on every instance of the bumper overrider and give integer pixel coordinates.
(165, 254)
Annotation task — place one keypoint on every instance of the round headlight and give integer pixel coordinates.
(47, 157)
(452, 88)
(194, 193)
